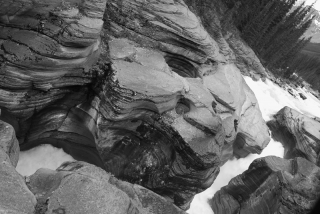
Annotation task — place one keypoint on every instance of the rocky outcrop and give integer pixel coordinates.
(9, 143)
(299, 134)
(138, 88)
(15, 196)
(271, 185)
(240, 112)
(78, 187)
(47, 49)
(165, 131)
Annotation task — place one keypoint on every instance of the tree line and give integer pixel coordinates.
(274, 29)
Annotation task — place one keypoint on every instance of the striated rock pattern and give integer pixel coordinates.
(299, 134)
(136, 87)
(78, 187)
(47, 48)
(165, 131)
(271, 185)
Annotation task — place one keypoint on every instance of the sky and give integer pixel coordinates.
(271, 99)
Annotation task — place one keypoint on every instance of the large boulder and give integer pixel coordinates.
(8, 142)
(299, 134)
(15, 197)
(79, 188)
(271, 185)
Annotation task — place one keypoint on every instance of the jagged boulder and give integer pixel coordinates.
(299, 134)
(15, 196)
(271, 185)
(78, 187)
(8, 142)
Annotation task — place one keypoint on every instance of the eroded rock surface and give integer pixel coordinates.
(78, 187)
(299, 134)
(15, 197)
(165, 131)
(271, 185)
(8, 142)
(138, 88)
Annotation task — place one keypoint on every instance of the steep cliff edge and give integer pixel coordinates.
(138, 88)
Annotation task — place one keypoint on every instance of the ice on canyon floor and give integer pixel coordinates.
(43, 156)
(271, 99)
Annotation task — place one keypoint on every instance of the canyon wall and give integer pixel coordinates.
(138, 88)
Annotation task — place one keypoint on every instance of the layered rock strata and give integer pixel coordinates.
(15, 197)
(47, 49)
(138, 88)
(299, 134)
(8, 142)
(271, 185)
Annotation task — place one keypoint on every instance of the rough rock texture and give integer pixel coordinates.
(165, 131)
(137, 87)
(271, 185)
(47, 49)
(8, 142)
(299, 134)
(15, 197)
(79, 188)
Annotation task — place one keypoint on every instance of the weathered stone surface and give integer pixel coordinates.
(47, 48)
(165, 131)
(148, 95)
(299, 134)
(165, 25)
(239, 110)
(271, 185)
(78, 187)
(157, 128)
(15, 196)
(8, 142)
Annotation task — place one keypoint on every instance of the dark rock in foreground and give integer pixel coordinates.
(15, 197)
(8, 142)
(299, 134)
(79, 188)
(271, 185)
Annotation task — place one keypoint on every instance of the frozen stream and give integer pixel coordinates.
(271, 99)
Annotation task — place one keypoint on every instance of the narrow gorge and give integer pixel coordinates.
(149, 104)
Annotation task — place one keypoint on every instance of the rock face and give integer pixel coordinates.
(78, 187)
(9, 143)
(271, 185)
(138, 88)
(47, 49)
(170, 107)
(15, 196)
(299, 134)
